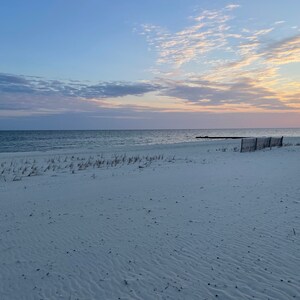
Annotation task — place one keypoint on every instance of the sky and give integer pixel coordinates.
(115, 64)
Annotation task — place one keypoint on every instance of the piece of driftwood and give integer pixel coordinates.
(220, 137)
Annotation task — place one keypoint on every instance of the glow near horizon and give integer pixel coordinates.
(216, 60)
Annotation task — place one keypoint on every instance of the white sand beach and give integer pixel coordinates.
(185, 221)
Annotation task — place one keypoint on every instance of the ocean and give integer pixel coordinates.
(48, 140)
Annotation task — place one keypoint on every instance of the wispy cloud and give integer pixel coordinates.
(211, 32)
(279, 22)
(208, 31)
(232, 6)
(39, 95)
(284, 52)
(237, 69)
(242, 92)
(251, 77)
(37, 86)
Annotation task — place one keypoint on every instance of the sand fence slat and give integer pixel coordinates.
(263, 142)
(276, 142)
(248, 145)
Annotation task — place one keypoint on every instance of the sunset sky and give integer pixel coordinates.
(99, 64)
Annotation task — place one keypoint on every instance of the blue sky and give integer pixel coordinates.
(149, 64)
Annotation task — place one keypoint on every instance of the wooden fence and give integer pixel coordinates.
(252, 144)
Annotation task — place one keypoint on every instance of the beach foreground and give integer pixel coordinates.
(185, 221)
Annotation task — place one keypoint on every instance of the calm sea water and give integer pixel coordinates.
(25, 141)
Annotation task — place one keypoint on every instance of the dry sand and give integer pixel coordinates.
(186, 221)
